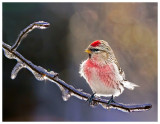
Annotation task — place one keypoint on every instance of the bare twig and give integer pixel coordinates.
(67, 90)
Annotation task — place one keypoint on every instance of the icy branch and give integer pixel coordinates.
(23, 34)
(42, 74)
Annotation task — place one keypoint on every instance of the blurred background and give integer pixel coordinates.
(129, 28)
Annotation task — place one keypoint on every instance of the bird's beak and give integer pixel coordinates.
(88, 51)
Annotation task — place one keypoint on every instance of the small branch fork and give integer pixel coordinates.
(42, 74)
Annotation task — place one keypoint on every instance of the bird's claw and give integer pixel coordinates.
(111, 100)
(90, 98)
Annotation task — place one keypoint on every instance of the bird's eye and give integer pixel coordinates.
(94, 50)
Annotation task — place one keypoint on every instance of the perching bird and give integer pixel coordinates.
(102, 71)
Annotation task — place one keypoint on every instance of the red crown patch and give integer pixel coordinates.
(95, 43)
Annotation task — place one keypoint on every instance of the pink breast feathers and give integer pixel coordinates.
(105, 73)
(87, 69)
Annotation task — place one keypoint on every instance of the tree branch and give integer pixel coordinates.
(42, 74)
(23, 34)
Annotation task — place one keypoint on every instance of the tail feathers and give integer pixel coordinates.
(129, 85)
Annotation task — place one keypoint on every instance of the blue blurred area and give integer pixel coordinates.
(129, 28)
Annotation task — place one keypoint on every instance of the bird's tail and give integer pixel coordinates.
(129, 85)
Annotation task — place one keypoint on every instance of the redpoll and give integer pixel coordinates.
(102, 71)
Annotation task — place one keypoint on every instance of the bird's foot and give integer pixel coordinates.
(90, 98)
(111, 100)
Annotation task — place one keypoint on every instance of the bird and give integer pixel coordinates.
(102, 71)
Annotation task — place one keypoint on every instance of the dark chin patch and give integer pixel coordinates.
(89, 55)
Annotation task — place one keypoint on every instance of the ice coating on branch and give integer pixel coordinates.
(41, 25)
(8, 54)
(38, 76)
(52, 74)
(66, 94)
(23, 34)
(127, 108)
(16, 69)
(38, 71)
(105, 106)
(38, 25)
(45, 72)
(42, 73)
